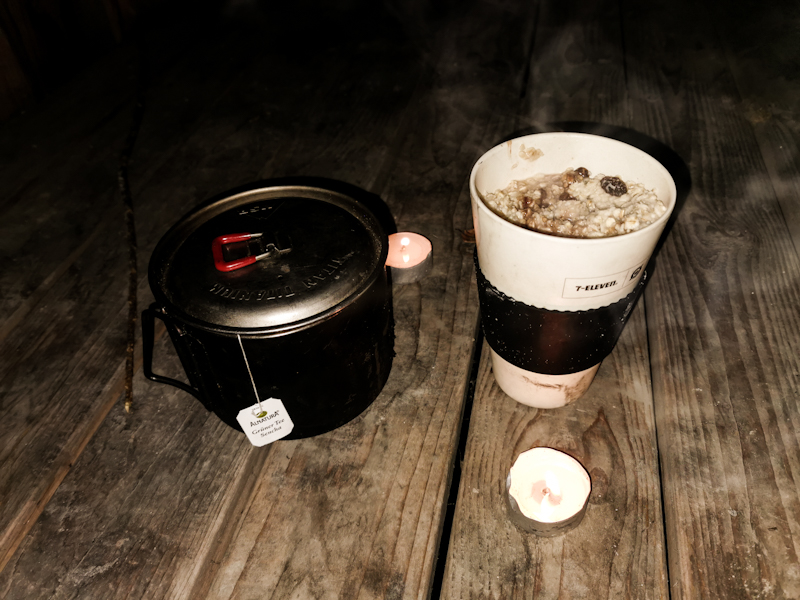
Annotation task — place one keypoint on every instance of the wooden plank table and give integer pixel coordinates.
(690, 430)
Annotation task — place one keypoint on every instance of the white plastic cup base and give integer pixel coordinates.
(539, 390)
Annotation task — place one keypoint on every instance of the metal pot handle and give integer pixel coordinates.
(148, 341)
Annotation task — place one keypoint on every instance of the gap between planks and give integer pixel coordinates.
(455, 470)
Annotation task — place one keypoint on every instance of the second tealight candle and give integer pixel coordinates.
(410, 257)
(547, 492)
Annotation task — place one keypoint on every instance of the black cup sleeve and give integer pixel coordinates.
(552, 342)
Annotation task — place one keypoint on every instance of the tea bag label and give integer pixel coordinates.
(265, 422)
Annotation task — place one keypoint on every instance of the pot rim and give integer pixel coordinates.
(232, 199)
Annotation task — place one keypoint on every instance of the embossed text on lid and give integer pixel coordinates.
(317, 250)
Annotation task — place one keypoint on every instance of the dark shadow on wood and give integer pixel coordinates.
(371, 201)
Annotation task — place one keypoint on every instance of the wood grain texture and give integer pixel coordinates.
(760, 46)
(722, 321)
(57, 186)
(618, 550)
(65, 332)
(373, 492)
(61, 240)
(577, 67)
(107, 521)
(170, 503)
(576, 75)
(160, 524)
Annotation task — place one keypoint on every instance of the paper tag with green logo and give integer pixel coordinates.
(265, 422)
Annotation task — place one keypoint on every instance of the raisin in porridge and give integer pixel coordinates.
(575, 204)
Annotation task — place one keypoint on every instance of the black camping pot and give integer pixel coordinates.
(280, 292)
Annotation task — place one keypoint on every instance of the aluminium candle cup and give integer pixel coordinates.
(552, 307)
(563, 463)
(540, 528)
(419, 251)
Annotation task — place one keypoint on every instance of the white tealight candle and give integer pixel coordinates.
(548, 491)
(410, 257)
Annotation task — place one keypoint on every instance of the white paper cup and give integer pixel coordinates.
(553, 273)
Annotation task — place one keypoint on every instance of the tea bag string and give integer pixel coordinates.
(247, 364)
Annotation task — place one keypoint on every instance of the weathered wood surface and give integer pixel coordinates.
(63, 235)
(163, 502)
(618, 550)
(722, 322)
(761, 48)
(576, 75)
(690, 430)
(59, 325)
(723, 315)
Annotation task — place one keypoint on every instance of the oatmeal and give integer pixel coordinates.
(575, 204)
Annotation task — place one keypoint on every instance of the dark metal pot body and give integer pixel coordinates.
(311, 325)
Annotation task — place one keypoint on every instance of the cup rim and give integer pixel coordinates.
(476, 196)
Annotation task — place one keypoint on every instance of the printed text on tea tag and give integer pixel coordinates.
(265, 422)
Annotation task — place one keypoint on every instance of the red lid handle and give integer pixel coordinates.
(232, 265)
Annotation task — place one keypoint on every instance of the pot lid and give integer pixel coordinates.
(269, 259)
